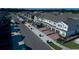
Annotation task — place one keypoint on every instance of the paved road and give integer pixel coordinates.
(44, 38)
(34, 38)
(31, 39)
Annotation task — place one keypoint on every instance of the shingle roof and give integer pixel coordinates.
(70, 21)
(58, 18)
(52, 17)
(71, 15)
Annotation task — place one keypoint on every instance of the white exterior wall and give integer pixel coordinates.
(39, 19)
(65, 26)
(62, 26)
(49, 22)
(62, 33)
(35, 18)
(58, 28)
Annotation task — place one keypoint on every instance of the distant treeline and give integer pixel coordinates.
(39, 9)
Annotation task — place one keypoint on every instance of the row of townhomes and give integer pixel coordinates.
(48, 29)
(65, 24)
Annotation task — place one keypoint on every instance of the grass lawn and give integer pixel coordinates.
(72, 45)
(60, 42)
(54, 46)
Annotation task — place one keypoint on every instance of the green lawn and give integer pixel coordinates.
(60, 42)
(72, 45)
(54, 46)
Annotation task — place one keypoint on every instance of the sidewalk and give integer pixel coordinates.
(44, 38)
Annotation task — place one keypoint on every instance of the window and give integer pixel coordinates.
(65, 27)
(59, 25)
(55, 23)
(49, 21)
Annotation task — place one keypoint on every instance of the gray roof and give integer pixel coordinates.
(58, 18)
(71, 15)
(71, 21)
(52, 17)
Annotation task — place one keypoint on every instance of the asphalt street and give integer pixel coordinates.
(31, 39)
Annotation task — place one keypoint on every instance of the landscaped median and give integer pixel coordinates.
(54, 46)
(71, 45)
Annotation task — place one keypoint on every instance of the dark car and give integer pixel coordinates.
(16, 22)
(23, 22)
(40, 35)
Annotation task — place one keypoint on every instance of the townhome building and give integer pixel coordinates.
(63, 25)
